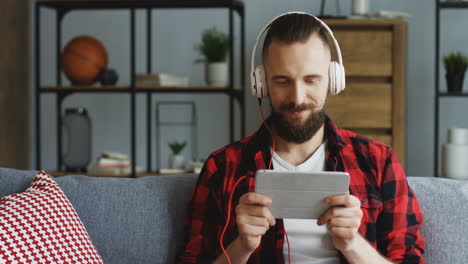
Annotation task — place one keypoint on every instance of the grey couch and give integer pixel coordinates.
(140, 220)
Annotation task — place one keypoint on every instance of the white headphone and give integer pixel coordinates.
(336, 70)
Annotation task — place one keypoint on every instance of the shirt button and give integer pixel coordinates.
(364, 201)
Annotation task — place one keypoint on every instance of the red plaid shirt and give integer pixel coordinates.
(391, 215)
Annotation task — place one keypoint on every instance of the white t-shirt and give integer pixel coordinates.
(309, 242)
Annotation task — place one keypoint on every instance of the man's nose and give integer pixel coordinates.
(298, 93)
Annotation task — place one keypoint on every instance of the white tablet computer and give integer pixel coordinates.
(300, 195)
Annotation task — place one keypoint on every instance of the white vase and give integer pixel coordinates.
(176, 161)
(455, 154)
(455, 161)
(360, 7)
(216, 73)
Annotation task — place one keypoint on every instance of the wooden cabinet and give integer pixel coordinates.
(373, 103)
(14, 84)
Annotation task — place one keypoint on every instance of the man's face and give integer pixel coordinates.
(297, 81)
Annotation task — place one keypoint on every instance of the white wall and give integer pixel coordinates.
(177, 31)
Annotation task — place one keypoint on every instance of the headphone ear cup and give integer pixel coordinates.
(337, 78)
(261, 90)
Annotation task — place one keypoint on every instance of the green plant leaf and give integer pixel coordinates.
(177, 147)
(455, 63)
(214, 45)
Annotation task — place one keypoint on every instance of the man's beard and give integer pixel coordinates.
(297, 133)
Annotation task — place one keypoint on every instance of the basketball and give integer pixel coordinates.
(83, 58)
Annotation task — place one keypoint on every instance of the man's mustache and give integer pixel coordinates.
(295, 107)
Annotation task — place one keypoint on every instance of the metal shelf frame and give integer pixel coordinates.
(62, 7)
(441, 5)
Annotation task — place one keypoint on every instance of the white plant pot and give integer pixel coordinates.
(360, 7)
(176, 161)
(216, 73)
(454, 161)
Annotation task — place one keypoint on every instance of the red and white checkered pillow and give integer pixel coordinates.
(40, 225)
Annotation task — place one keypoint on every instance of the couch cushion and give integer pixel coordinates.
(444, 204)
(14, 181)
(132, 220)
(40, 225)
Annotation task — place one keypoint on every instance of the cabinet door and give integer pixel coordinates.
(366, 53)
(14, 84)
(362, 105)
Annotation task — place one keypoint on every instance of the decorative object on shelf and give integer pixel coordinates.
(177, 160)
(215, 46)
(360, 7)
(197, 166)
(175, 171)
(160, 79)
(77, 128)
(113, 163)
(455, 154)
(108, 77)
(175, 120)
(455, 64)
(83, 58)
(385, 14)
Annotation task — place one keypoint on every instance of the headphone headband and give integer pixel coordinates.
(267, 26)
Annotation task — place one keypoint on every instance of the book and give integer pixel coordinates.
(106, 163)
(160, 79)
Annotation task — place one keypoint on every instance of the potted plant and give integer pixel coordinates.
(455, 67)
(214, 47)
(176, 160)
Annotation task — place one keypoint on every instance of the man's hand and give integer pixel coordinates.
(343, 220)
(253, 219)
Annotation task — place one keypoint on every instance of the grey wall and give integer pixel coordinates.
(177, 31)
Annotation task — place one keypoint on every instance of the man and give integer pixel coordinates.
(378, 222)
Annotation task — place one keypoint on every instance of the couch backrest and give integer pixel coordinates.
(140, 220)
(444, 203)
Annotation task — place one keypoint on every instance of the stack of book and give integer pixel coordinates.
(112, 163)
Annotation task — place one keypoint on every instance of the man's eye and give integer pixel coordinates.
(282, 81)
(312, 81)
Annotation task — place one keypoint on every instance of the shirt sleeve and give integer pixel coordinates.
(204, 218)
(399, 224)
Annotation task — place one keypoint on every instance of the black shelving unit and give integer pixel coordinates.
(440, 6)
(62, 7)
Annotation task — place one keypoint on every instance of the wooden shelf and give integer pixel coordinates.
(85, 88)
(453, 94)
(453, 4)
(127, 89)
(237, 5)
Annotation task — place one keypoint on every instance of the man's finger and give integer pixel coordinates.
(346, 200)
(256, 210)
(337, 212)
(252, 220)
(255, 198)
(345, 222)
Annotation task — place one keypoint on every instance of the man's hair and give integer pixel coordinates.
(292, 28)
